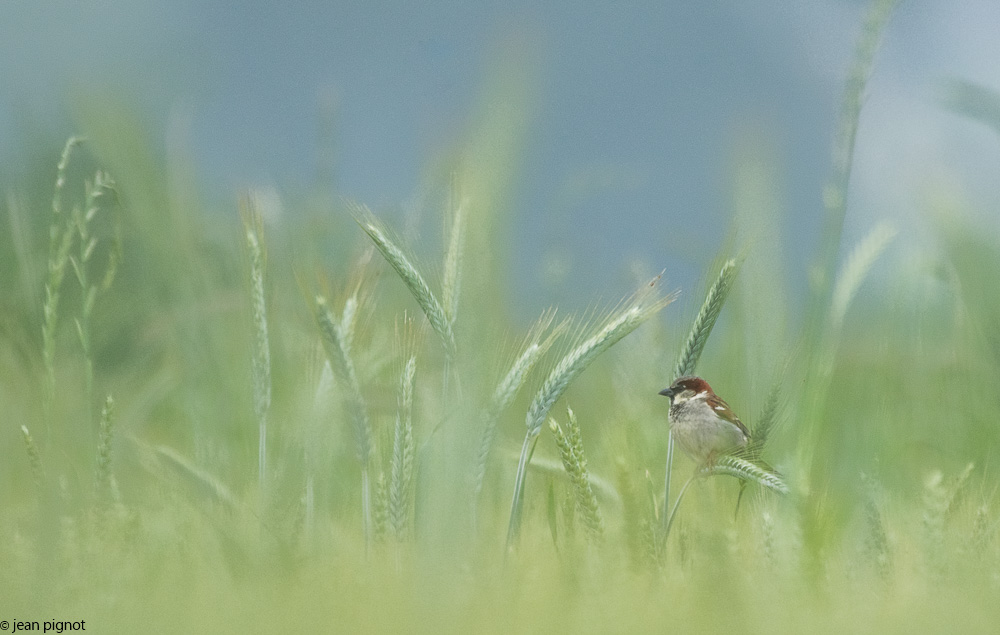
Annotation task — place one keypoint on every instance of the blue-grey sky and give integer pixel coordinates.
(638, 111)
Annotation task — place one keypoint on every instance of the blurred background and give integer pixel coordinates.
(628, 120)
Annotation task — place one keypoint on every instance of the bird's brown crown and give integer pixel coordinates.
(692, 383)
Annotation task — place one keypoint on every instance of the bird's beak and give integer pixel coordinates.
(666, 392)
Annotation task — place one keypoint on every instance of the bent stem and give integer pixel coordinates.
(677, 503)
(665, 526)
(527, 449)
(732, 466)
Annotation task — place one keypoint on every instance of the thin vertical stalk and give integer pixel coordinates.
(104, 481)
(89, 289)
(261, 367)
(835, 192)
(336, 342)
(402, 454)
(60, 241)
(687, 361)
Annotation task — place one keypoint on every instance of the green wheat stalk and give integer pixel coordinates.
(852, 275)
(61, 236)
(554, 469)
(939, 497)
(652, 547)
(745, 470)
(855, 270)
(412, 278)
(34, 457)
(253, 233)
(347, 318)
(974, 101)
(509, 386)
(570, 444)
(759, 435)
(732, 466)
(687, 361)
(336, 342)
(633, 521)
(876, 541)
(766, 421)
(705, 322)
(380, 508)
(402, 453)
(203, 480)
(87, 243)
(451, 282)
(835, 192)
(620, 323)
(817, 333)
(104, 477)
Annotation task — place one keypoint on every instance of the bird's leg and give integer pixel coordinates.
(710, 460)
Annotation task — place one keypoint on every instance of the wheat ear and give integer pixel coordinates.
(620, 323)
(411, 277)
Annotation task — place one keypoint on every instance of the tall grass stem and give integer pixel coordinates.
(335, 343)
(452, 280)
(402, 453)
(835, 192)
(253, 233)
(61, 236)
(34, 457)
(687, 361)
(104, 479)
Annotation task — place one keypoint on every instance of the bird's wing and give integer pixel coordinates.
(722, 409)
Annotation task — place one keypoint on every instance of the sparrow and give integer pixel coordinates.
(702, 423)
